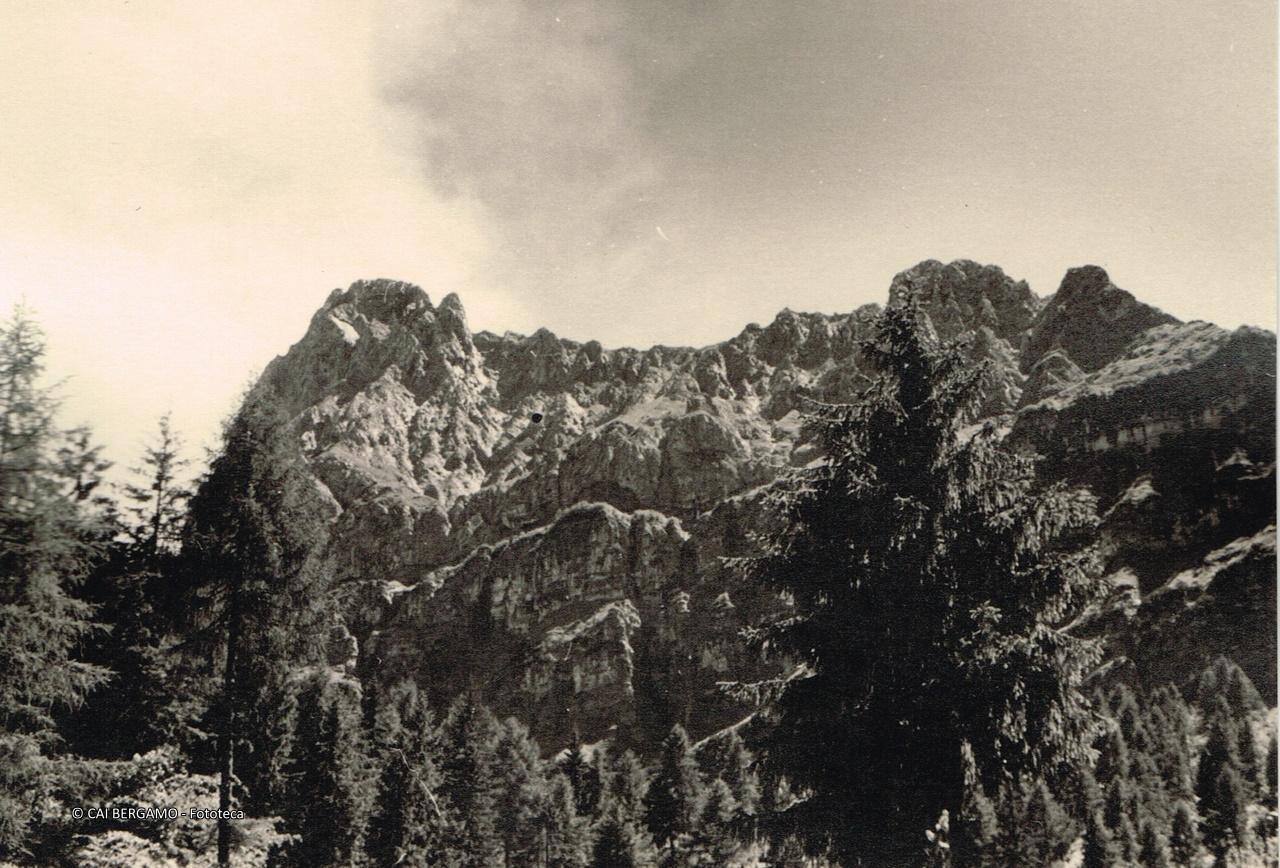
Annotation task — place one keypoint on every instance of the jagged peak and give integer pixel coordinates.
(383, 299)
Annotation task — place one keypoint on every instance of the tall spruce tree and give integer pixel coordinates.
(1100, 850)
(469, 737)
(409, 822)
(48, 544)
(521, 783)
(675, 794)
(256, 591)
(1184, 834)
(930, 581)
(327, 788)
(1225, 813)
(143, 706)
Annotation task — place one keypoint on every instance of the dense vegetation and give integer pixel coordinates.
(165, 647)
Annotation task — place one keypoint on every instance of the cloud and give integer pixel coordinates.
(534, 110)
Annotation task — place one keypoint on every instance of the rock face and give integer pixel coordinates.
(546, 520)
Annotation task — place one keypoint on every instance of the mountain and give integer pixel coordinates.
(547, 520)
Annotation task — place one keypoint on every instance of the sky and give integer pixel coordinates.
(183, 183)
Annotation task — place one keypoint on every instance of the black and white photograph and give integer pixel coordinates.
(638, 434)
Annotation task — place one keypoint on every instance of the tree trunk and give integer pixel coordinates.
(227, 746)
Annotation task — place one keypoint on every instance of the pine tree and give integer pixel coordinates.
(675, 794)
(1184, 835)
(1153, 850)
(408, 824)
(257, 591)
(47, 546)
(1224, 813)
(1100, 850)
(930, 581)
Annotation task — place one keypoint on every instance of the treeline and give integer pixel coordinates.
(174, 647)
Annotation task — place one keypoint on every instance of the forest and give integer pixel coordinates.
(163, 645)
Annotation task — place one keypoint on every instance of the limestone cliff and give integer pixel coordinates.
(545, 519)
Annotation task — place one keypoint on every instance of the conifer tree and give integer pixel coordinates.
(1221, 750)
(146, 703)
(1100, 850)
(1113, 757)
(621, 838)
(521, 789)
(328, 788)
(930, 580)
(256, 590)
(620, 843)
(157, 500)
(675, 794)
(975, 834)
(1126, 838)
(1046, 831)
(717, 833)
(47, 547)
(628, 783)
(566, 838)
(469, 737)
(1184, 834)
(1224, 678)
(1153, 850)
(408, 824)
(738, 772)
(1224, 813)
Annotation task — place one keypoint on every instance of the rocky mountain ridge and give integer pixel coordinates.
(547, 519)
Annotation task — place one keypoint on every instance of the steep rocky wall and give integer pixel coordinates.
(545, 519)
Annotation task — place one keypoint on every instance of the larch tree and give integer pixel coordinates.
(930, 581)
(47, 547)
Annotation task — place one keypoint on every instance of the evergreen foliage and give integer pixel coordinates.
(328, 787)
(408, 824)
(468, 765)
(674, 799)
(1224, 810)
(257, 592)
(49, 542)
(1184, 834)
(930, 580)
(1153, 850)
(1100, 850)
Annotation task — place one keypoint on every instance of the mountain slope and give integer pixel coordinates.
(546, 519)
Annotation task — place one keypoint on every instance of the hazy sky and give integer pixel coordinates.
(182, 184)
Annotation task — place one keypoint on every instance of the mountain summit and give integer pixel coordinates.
(547, 520)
